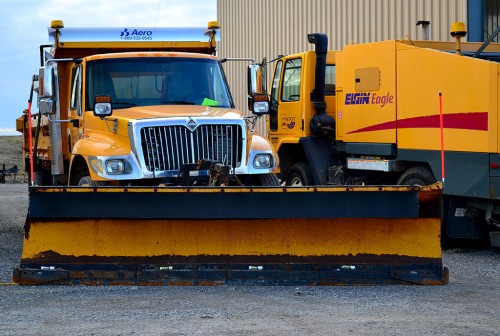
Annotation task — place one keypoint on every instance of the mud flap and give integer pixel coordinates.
(319, 152)
(233, 236)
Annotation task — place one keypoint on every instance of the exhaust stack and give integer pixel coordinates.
(321, 123)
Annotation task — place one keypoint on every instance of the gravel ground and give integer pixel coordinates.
(469, 305)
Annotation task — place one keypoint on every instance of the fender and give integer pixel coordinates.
(319, 153)
(99, 144)
(257, 143)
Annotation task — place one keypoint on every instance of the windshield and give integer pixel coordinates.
(157, 81)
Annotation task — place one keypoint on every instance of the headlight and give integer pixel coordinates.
(263, 161)
(260, 107)
(102, 106)
(102, 109)
(115, 167)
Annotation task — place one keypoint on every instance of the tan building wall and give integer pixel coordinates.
(492, 20)
(258, 28)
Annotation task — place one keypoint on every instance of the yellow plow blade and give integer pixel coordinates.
(206, 236)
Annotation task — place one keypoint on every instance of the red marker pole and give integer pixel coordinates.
(31, 143)
(30, 127)
(442, 135)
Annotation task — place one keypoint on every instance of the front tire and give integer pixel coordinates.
(37, 178)
(268, 180)
(299, 175)
(86, 181)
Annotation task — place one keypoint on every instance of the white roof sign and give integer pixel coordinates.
(139, 34)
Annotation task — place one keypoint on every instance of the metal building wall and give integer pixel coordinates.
(492, 18)
(258, 28)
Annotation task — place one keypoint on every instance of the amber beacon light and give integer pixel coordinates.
(458, 31)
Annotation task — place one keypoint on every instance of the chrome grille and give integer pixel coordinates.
(169, 147)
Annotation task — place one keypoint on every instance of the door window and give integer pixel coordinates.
(291, 80)
(76, 90)
(330, 80)
(273, 117)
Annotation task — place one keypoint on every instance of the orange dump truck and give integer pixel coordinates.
(139, 106)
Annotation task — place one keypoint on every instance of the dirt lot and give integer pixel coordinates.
(11, 155)
(469, 305)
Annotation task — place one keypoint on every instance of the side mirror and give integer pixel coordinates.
(102, 106)
(258, 101)
(46, 82)
(259, 104)
(255, 80)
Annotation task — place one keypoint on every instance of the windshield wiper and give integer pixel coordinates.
(177, 102)
(123, 104)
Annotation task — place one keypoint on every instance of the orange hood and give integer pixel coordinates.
(166, 111)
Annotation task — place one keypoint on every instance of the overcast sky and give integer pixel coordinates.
(24, 28)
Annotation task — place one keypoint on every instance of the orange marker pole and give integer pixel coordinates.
(442, 135)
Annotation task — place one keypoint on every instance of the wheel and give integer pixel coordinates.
(419, 175)
(299, 175)
(86, 181)
(42, 177)
(269, 180)
(37, 178)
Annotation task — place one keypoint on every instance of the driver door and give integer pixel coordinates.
(287, 99)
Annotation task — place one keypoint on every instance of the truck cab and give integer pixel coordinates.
(291, 109)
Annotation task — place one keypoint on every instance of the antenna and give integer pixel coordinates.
(154, 27)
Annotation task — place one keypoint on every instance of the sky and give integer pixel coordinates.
(23, 24)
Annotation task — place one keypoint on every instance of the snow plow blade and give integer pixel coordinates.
(234, 236)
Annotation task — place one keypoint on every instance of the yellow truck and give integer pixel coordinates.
(146, 185)
(139, 106)
(394, 113)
